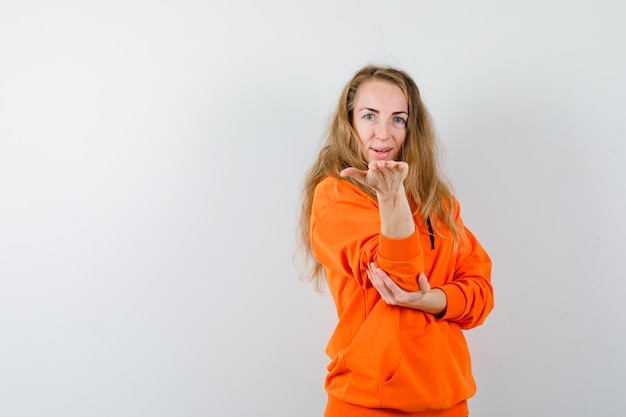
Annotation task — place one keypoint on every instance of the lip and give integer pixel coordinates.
(381, 153)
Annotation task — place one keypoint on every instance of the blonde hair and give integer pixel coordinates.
(427, 190)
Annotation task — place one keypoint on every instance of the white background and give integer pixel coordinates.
(151, 159)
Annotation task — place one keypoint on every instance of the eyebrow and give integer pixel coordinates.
(377, 112)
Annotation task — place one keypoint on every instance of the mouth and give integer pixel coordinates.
(382, 153)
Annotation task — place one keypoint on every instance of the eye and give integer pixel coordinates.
(368, 116)
(399, 121)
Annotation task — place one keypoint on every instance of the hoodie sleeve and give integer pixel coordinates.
(470, 293)
(345, 236)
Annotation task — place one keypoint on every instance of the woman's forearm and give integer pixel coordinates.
(396, 220)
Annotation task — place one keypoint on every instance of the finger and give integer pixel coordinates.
(374, 270)
(423, 283)
(389, 283)
(375, 165)
(389, 287)
(380, 165)
(385, 293)
(371, 268)
(355, 173)
(379, 283)
(400, 169)
(371, 274)
(377, 277)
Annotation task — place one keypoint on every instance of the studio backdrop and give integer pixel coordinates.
(152, 155)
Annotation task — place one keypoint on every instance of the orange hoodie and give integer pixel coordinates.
(389, 360)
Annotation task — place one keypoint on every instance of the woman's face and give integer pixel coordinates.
(379, 118)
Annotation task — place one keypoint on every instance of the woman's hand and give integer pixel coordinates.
(429, 300)
(384, 177)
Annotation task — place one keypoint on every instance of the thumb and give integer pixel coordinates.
(422, 281)
(355, 173)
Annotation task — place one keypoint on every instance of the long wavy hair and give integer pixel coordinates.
(428, 191)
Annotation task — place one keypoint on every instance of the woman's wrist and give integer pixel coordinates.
(433, 302)
(396, 219)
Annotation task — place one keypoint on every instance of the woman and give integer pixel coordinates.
(382, 226)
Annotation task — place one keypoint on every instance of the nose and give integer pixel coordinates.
(382, 131)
